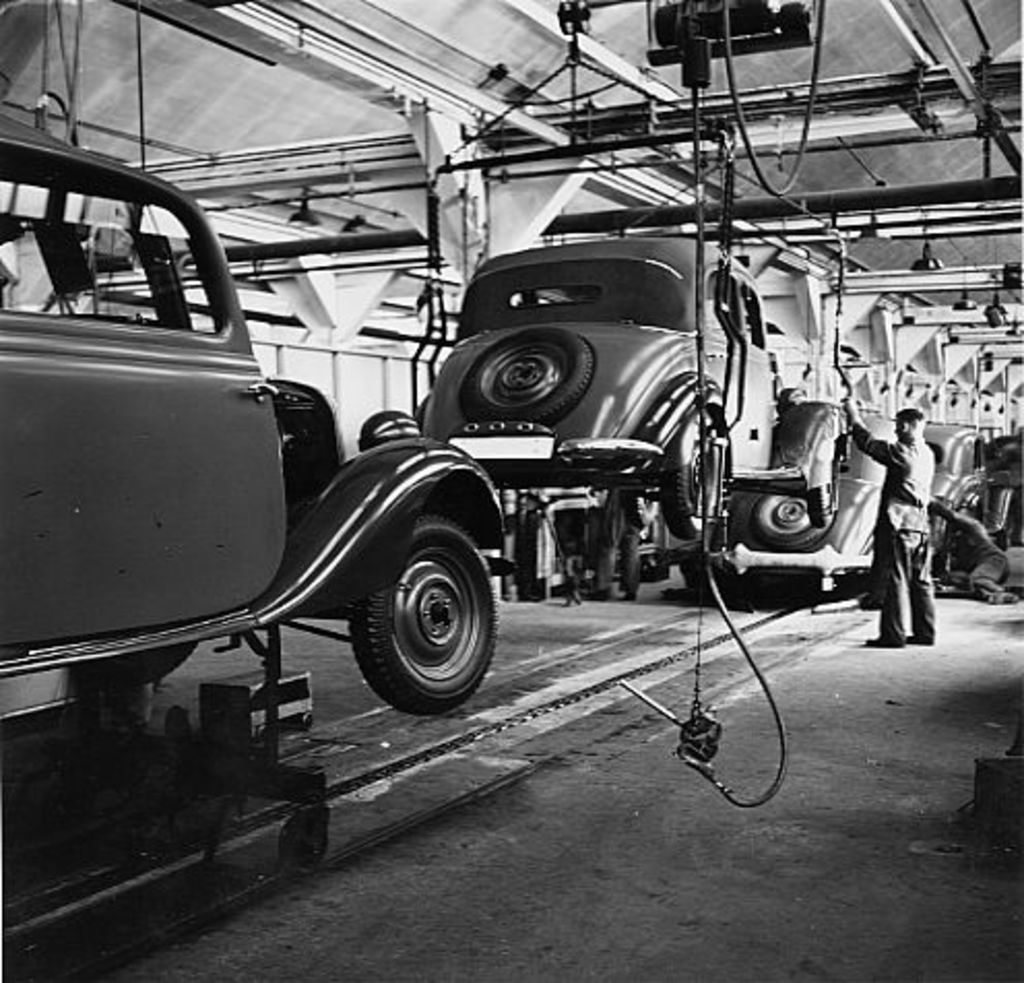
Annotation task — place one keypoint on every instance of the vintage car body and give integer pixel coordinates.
(576, 365)
(158, 490)
(963, 482)
(960, 476)
(1003, 464)
(773, 533)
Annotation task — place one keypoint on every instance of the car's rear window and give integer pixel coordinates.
(78, 253)
(554, 296)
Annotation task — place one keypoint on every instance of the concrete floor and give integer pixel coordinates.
(613, 861)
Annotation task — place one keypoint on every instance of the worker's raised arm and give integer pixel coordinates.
(878, 450)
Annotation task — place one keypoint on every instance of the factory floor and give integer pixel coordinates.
(611, 860)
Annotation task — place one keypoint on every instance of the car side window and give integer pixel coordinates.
(752, 309)
(70, 254)
(743, 308)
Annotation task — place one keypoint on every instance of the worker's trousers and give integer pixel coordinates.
(908, 604)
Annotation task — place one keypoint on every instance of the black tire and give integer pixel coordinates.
(777, 523)
(684, 488)
(536, 375)
(425, 643)
(629, 563)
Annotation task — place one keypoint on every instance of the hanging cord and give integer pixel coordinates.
(72, 67)
(840, 289)
(811, 98)
(703, 442)
(432, 298)
(703, 766)
(44, 93)
(140, 84)
(700, 733)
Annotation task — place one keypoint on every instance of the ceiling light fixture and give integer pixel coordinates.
(995, 313)
(303, 215)
(926, 261)
(965, 303)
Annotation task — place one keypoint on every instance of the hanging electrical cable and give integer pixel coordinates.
(741, 123)
(701, 732)
(44, 88)
(140, 84)
(71, 63)
(837, 329)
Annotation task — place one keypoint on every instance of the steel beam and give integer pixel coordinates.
(824, 203)
(921, 13)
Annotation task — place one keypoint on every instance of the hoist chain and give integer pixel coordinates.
(727, 162)
(699, 735)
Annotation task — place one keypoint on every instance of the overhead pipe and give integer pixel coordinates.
(343, 242)
(826, 203)
(815, 203)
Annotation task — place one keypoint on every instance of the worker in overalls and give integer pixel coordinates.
(902, 539)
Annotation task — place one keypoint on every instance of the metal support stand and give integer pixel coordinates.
(244, 768)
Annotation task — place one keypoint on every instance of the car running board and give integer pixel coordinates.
(788, 480)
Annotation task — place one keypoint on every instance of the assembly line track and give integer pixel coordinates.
(34, 923)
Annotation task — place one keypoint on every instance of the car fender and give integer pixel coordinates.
(808, 437)
(672, 410)
(355, 537)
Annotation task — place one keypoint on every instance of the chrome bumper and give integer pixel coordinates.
(827, 561)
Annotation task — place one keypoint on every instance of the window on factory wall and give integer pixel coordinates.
(71, 254)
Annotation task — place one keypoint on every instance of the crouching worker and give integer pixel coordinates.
(975, 562)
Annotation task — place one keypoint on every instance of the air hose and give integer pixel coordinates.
(700, 734)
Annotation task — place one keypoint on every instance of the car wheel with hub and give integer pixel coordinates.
(775, 523)
(425, 643)
(691, 489)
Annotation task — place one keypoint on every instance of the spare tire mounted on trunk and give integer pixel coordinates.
(536, 376)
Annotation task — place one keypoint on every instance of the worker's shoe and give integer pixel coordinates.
(918, 640)
(1003, 597)
(882, 643)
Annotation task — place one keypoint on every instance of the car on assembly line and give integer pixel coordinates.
(1003, 455)
(772, 533)
(157, 490)
(966, 480)
(578, 366)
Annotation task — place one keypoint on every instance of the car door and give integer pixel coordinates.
(141, 480)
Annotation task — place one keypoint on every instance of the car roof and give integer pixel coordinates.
(678, 254)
